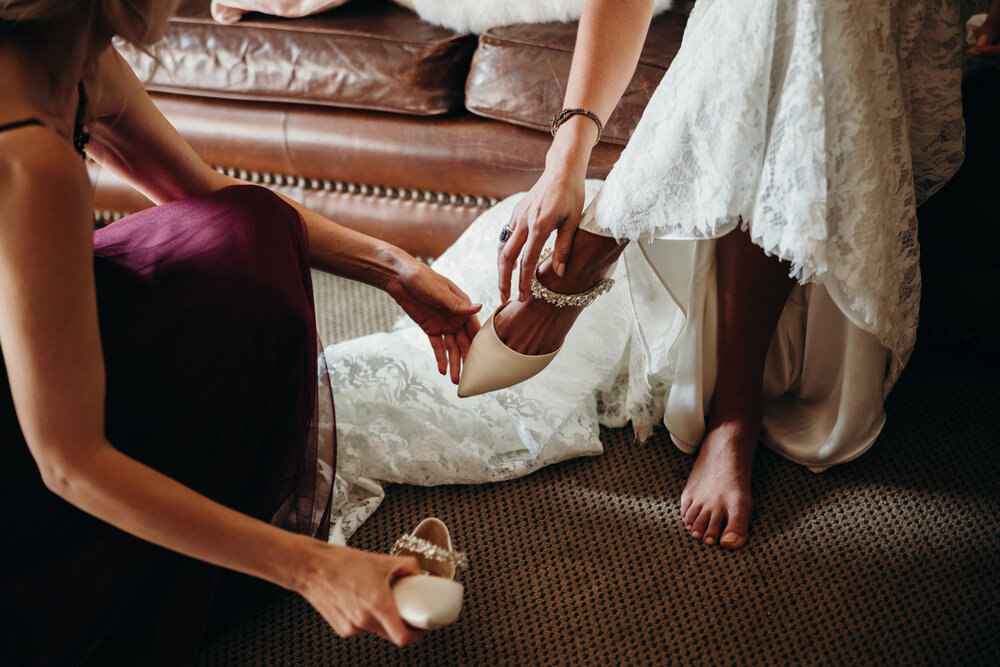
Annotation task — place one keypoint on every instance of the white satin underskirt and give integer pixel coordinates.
(824, 374)
(642, 353)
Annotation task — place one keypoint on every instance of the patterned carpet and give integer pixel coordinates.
(892, 559)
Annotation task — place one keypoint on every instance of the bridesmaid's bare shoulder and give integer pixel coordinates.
(40, 171)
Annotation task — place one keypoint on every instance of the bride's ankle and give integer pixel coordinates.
(589, 262)
(573, 282)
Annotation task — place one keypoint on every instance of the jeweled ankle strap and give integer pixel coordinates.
(429, 550)
(540, 291)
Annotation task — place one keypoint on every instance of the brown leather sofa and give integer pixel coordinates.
(408, 131)
(383, 122)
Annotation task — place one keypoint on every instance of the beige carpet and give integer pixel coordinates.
(892, 559)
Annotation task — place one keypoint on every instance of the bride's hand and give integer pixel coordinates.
(553, 204)
(441, 309)
(351, 589)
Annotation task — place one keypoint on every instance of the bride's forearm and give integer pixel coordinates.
(608, 44)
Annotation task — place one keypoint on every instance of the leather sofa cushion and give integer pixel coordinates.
(370, 54)
(444, 153)
(519, 73)
(415, 181)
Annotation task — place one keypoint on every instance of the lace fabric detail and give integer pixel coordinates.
(399, 421)
(821, 130)
(820, 133)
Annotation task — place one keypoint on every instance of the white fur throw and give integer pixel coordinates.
(231, 11)
(476, 16)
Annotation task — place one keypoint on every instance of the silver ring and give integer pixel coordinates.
(505, 234)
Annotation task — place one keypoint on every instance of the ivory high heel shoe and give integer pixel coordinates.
(491, 365)
(432, 599)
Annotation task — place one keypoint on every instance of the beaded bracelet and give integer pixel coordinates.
(566, 114)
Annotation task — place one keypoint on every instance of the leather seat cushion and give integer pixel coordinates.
(519, 73)
(371, 54)
(417, 182)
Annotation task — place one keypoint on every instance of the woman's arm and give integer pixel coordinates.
(988, 37)
(51, 345)
(608, 44)
(133, 139)
(49, 334)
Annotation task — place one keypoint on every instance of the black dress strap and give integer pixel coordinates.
(20, 123)
(80, 134)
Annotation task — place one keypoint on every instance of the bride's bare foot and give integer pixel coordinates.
(538, 327)
(716, 504)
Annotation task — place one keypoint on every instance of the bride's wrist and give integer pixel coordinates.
(571, 147)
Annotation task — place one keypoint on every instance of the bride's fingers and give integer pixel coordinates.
(529, 258)
(507, 257)
(563, 246)
(511, 224)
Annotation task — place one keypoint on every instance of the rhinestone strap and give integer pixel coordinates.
(583, 299)
(429, 550)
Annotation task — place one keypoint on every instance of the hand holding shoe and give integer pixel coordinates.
(431, 599)
(441, 309)
(351, 589)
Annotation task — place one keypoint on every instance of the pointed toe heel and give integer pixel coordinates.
(491, 365)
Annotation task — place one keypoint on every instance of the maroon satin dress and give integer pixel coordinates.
(208, 332)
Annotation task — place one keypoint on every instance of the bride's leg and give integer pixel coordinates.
(537, 327)
(716, 503)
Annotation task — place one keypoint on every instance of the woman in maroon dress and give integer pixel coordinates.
(160, 375)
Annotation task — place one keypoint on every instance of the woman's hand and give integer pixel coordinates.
(441, 309)
(553, 204)
(351, 589)
(988, 37)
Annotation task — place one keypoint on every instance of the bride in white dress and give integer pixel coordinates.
(770, 290)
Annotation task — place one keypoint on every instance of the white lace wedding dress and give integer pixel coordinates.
(817, 125)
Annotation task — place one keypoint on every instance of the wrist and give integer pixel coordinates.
(304, 564)
(570, 148)
(393, 263)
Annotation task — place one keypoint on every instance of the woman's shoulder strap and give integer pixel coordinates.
(20, 123)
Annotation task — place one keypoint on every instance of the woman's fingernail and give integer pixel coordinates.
(560, 269)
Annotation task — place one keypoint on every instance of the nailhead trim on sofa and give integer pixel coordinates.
(106, 217)
(265, 178)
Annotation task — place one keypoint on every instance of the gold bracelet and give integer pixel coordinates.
(566, 114)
